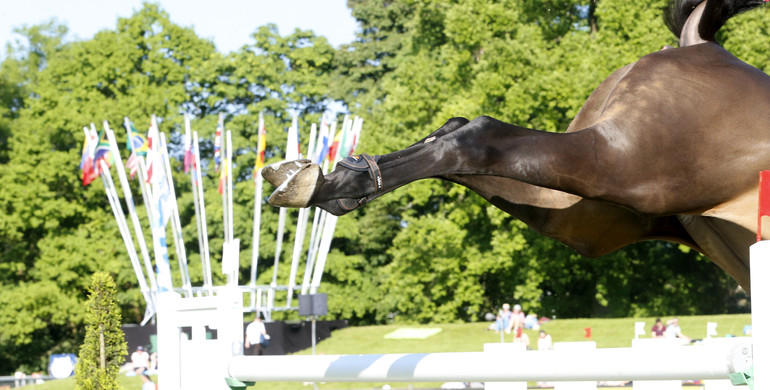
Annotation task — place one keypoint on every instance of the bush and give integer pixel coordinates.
(104, 348)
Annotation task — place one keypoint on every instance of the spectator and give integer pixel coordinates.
(658, 330)
(147, 383)
(544, 341)
(516, 324)
(140, 360)
(673, 331)
(503, 319)
(530, 322)
(256, 335)
(523, 338)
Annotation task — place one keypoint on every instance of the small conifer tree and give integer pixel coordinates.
(104, 349)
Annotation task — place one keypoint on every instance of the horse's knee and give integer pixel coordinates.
(483, 121)
(455, 123)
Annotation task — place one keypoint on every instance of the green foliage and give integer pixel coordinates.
(426, 252)
(104, 348)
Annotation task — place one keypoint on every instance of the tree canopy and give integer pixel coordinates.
(431, 251)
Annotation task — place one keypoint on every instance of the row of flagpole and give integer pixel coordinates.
(149, 159)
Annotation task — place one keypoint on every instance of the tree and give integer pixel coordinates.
(104, 348)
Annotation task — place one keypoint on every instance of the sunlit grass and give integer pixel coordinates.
(607, 333)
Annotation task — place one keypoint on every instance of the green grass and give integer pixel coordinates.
(125, 382)
(607, 333)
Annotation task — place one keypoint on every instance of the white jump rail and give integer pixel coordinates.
(697, 362)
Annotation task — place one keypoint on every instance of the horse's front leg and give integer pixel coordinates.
(569, 162)
(352, 184)
(484, 146)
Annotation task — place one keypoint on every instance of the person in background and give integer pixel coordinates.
(255, 333)
(147, 383)
(140, 360)
(503, 319)
(516, 324)
(523, 338)
(544, 341)
(658, 330)
(530, 322)
(673, 331)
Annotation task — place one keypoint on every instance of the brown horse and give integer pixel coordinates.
(668, 148)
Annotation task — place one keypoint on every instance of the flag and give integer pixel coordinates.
(194, 162)
(188, 154)
(161, 191)
(261, 144)
(102, 152)
(86, 156)
(222, 179)
(137, 142)
(153, 151)
(132, 164)
(335, 146)
(764, 200)
(87, 160)
(344, 148)
(322, 150)
(218, 142)
(588, 334)
(98, 150)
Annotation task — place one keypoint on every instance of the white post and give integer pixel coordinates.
(205, 255)
(662, 346)
(148, 297)
(176, 224)
(578, 348)
(505, 352)
(147, 198)
(299, 233)
(760, 312)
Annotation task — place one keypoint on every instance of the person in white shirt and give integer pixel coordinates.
(544, 341)
(256, 334)
(140, 359)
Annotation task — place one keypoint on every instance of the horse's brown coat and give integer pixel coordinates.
(666, 148)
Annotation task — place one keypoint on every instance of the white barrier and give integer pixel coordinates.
(600, 364)
(760, 313)
(505, 352)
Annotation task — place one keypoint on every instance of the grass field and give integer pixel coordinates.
(607, 333)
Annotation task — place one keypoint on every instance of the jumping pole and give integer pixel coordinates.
(699, 362)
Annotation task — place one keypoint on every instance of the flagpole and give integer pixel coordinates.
(194, 187)
(257, 210)
(320, 217)
(120, 218)
(176, 225)
(299, 233)
(331, 220)
(292, 153)
(205, 255)
(255, 233)
(135, 222)
(229, 153)
(159, 219)
(232, 275)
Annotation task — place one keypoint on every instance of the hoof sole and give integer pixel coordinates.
(299, 188)
(278, 173)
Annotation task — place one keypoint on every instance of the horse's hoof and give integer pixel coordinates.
(278, 173)
(299, 188)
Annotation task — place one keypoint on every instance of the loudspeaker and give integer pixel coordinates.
(313, 305)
